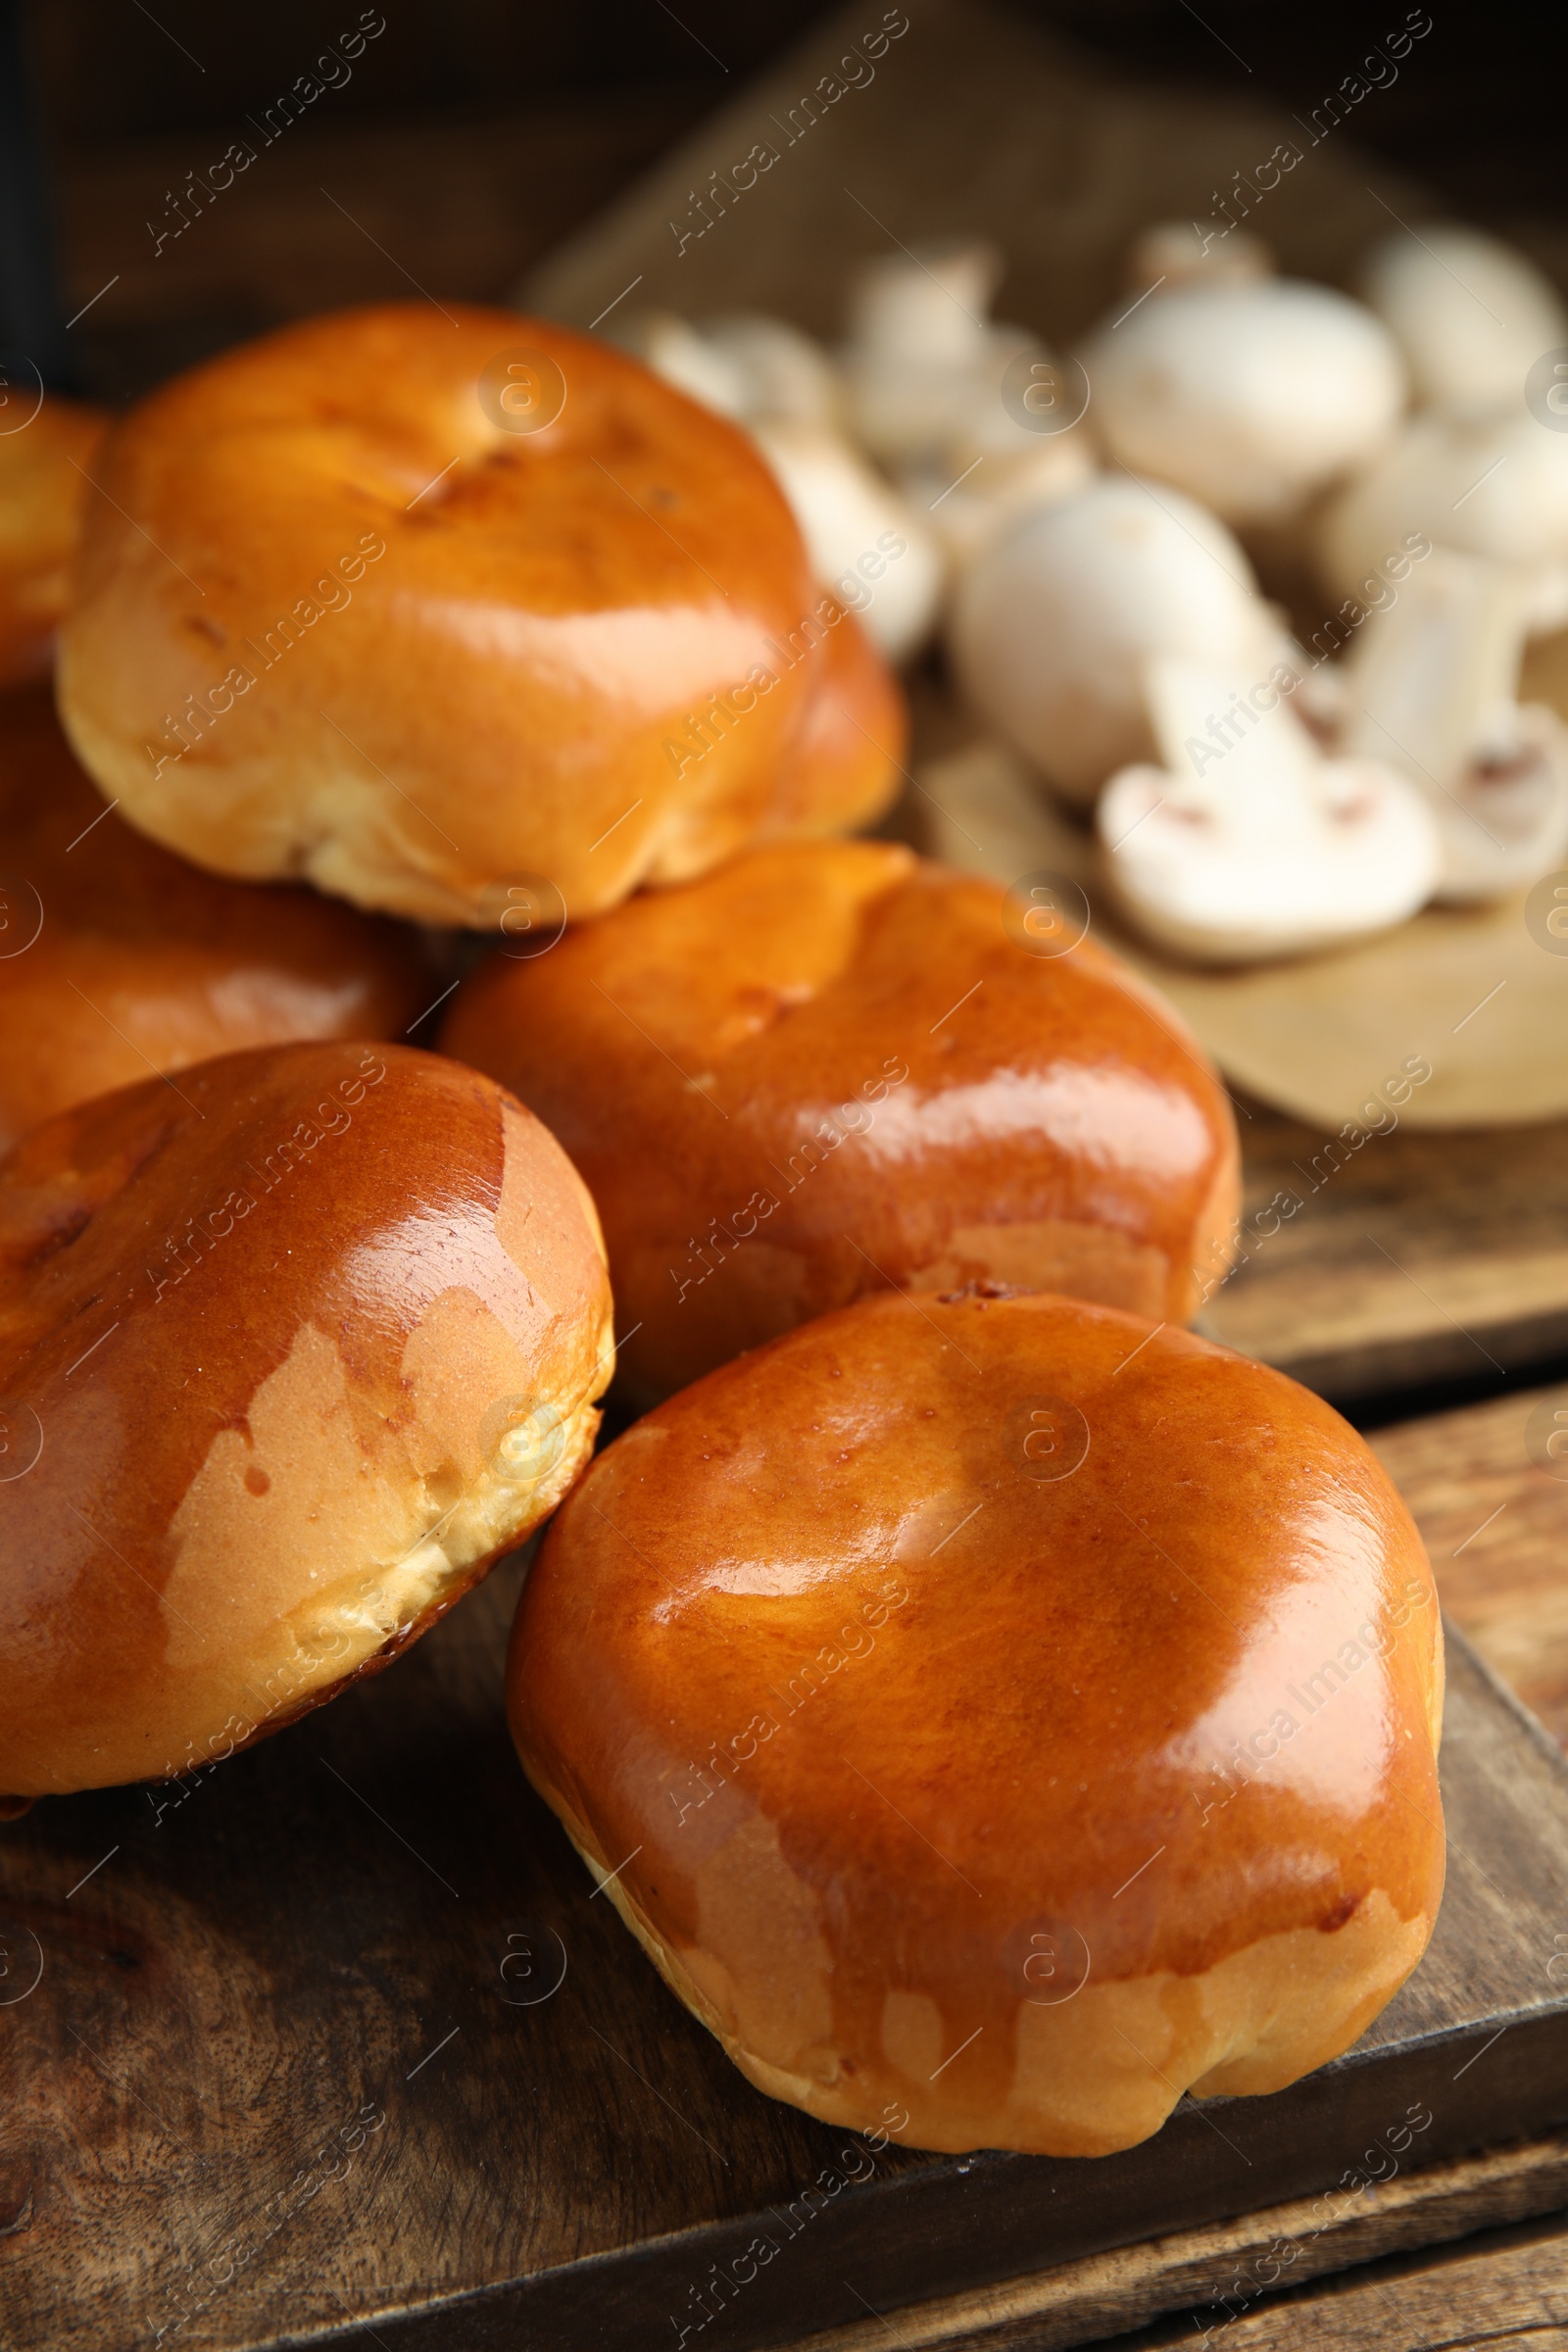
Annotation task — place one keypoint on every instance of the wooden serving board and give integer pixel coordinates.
(1408, 1258)
(336, 2038)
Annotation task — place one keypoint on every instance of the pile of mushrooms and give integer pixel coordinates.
(1080, 528)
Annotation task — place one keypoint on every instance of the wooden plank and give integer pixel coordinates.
(272, 2079)
(1497, 1527)
(1512, 2296)
(1214, 2276)
(1414, 1257)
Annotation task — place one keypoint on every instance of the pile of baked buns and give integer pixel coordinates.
(993, 1706)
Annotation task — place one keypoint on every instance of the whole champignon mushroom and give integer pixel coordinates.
(932, 395)
(1172, 253)
(993, 472)
(676, 350)
(1249, 396)
(778, 371)
(1471, 314)
(920, 345)
(1495, 486)
(1431, 688)
(1053, 626)
(781, 386)
(856, 528)
(1246, 843)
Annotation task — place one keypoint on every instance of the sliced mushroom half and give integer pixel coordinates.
(1246, 844)
(1431, 688)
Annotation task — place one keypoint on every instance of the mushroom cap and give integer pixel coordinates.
(927, 305)
(1249, 396)
(1494, 486)
(779, 370)
(1190, 885)
(1052, 624)
(1471, 314)
(1260, 848)
(1173, 253)
(922, 364)
(966, 515)
(683, 355)
(847, 512)
(743, 363)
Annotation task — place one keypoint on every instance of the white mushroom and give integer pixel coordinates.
(1494, 486)
(857, 529)
(1471, 314)
(1430, 690)
(1249, 396)
(920, 347)
(1052, 625)
(686, 357)
(973, 495)
(782, 387)
(977, 421)
(1246, 843)
(1176, 253)
(779, 373)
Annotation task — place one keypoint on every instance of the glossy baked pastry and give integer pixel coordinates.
(117, 959)
(291, 1348)
(996, 1717)
(419, 602)
(44, 462)
(831, 1067)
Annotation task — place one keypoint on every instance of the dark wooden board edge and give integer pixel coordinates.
(862, 2248)
(1368, 1368)
(1015, 2215)
(1212, 2276)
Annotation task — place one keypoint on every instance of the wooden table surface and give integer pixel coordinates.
(274, 2079)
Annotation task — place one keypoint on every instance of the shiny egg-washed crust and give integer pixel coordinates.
(845, 762)
(291, 1349)
(830, 1067)
(43, 467)
(334, 620)
(116, 959)
(1007, 1805)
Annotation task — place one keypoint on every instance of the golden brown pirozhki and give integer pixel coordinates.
(290, 1350)
(831, 1067)
(44, 464)
(116, 959)
(999, 1718)
(845, 762)
(357, 605)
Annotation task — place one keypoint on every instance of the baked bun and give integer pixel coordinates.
(342, 615)
(41, 484)
(999, 1718)
(846, 762)
(831, 1067)
(116, 959)
(291, 1349)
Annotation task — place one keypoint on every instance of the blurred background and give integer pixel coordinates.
(471, 135)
